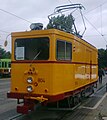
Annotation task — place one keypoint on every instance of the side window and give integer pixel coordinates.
(68, 51)
(64, 50)
(9, 64)
(3, 64)
(0, 64)
(60, 50)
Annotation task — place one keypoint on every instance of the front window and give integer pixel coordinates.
(64, 50)
(32, 48)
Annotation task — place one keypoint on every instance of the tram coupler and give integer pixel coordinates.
(26, 107)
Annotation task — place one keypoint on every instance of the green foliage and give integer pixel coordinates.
(4, 54)
(62, 22)
(102, 58)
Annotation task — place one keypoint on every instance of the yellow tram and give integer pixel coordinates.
(49, 66)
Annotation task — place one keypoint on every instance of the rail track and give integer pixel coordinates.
(15, 117)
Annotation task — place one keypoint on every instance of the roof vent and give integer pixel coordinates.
(36, 26)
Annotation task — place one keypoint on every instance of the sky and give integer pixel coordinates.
(32, 11)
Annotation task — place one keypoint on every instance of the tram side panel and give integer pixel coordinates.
(80, 71)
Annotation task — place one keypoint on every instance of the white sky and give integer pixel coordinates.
(38, 10)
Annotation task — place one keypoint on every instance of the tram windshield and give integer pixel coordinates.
(32, 48)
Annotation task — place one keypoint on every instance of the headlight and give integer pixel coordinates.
(30, 80)
(29, 88)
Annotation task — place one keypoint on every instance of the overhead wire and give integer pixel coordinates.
(4, 31)
(90, 22)
(100, 33)
(96, 7)
(95, 29)
(94, 35)
(14, 15)
(70, 1)
(31, 22)
(101, 18)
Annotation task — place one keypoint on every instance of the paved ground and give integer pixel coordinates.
(94, 108)
(7, 106)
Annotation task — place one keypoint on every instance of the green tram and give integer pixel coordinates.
(5, 68)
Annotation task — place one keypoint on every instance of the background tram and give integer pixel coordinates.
(5, 67)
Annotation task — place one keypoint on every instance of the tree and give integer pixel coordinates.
(4, 54)
(62, 22)
(102, 58)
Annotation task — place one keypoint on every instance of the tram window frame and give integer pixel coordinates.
(3, 64)
(45, 50)
(0, 64)
(9, 64)
(64, 58)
